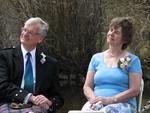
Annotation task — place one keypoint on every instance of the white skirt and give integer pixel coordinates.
(111, 108)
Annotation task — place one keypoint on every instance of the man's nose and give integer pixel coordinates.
(26, 33)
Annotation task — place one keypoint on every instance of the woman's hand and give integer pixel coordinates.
(107, 100)
(96, 106)
(98, 102)
(93, 100)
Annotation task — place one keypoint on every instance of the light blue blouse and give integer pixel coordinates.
(112, 81)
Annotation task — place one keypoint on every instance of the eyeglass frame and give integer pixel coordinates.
(29, 32)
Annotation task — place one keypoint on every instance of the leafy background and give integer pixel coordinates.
(77, 30)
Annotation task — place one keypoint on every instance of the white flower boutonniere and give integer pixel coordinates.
(43, 59)
(124, 62)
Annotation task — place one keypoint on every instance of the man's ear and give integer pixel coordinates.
(40, 40)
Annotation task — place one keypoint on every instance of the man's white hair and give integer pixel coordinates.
(43, 25)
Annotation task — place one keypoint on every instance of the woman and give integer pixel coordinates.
(114, 76)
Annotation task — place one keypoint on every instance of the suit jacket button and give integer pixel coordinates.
(20, 91)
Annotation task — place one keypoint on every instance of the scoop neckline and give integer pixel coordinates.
(114, 67)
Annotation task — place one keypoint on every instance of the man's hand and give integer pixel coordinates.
(41, 100)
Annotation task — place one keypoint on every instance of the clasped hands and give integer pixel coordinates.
(98, 102)
(40, 100)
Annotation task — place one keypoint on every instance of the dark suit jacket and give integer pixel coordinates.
(11, 73)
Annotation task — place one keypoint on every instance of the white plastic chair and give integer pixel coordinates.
(140, 96)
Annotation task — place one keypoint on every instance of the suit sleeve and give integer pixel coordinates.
(8, 90)
(56, 98)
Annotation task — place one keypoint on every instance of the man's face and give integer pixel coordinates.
(30, 36)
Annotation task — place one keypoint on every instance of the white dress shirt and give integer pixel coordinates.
(33, 61)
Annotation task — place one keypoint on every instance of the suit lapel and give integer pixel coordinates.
(38, 71)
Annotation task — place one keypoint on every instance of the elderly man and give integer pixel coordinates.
(28, 78)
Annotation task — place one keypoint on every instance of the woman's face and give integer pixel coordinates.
(114, 36)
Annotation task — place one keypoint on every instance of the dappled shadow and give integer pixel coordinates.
(74, 98)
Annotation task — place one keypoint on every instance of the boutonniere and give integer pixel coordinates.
(124, 62)
(43, 59)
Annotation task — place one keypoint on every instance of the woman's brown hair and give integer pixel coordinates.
(126, 24)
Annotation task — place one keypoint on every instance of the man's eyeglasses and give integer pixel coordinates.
(29, 32)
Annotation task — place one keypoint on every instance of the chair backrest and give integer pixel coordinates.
(140, 96)
(78, 111)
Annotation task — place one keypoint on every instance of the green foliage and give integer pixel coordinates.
(78, 29)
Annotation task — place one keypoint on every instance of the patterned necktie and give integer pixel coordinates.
(28, 77)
